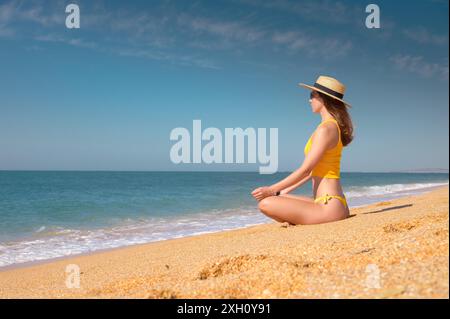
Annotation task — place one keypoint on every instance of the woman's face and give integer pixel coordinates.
(316, 102)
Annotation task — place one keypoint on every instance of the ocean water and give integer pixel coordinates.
(48, 214)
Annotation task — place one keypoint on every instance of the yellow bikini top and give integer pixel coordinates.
(329, 164)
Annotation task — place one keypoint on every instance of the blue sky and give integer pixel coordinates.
(107, 95)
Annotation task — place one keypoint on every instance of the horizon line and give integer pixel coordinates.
(434, 170)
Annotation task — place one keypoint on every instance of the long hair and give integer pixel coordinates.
(340, 113)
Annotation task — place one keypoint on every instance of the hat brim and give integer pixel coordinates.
(318, 90)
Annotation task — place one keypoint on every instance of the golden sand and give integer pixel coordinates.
(392, 249)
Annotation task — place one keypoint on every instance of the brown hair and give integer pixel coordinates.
(339, 111)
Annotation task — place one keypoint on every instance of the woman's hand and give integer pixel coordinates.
(262, 192)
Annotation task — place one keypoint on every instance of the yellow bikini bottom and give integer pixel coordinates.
(327, 197)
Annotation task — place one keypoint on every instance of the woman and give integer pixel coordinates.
(321, 164)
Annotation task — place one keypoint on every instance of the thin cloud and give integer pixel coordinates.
(185, 60)
(423, 36)
(151, 34)
(233, 35)
(36, 15)
(7, 12)
(6, 32)
(6, 16)
(20, 11)
(324, 47)
(76, 42)
(418, 65)
(324, 11)
(223, 29)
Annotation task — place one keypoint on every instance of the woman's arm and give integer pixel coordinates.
(289, 181)
(297, 185)
(322, 141)
(265, 191)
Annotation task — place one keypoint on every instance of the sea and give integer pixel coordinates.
(51, 214)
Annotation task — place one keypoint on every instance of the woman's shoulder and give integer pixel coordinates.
(327, 130)
(329, 125)
(329, 122)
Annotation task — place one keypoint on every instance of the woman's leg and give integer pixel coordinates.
(298, 197)
(296, 212)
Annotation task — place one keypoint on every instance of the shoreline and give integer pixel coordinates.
(28, 264)
(103, 250)
(408, 241)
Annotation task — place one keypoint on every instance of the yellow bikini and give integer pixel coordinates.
(327, 197)
(329, 164)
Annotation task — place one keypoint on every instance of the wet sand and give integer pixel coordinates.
(392, 249)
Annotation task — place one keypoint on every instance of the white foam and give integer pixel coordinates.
(363, 191)
(41, 229)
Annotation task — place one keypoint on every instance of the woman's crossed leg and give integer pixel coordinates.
(295, 210)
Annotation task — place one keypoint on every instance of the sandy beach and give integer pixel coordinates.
(392, 249)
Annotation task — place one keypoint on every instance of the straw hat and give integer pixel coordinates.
(328, 86)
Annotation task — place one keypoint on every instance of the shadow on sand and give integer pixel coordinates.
(388, 208)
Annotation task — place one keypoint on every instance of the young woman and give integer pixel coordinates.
(321, 164)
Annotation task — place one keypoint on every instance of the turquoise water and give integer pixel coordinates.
(46, 214)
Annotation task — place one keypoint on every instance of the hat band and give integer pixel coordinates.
(329, 91)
